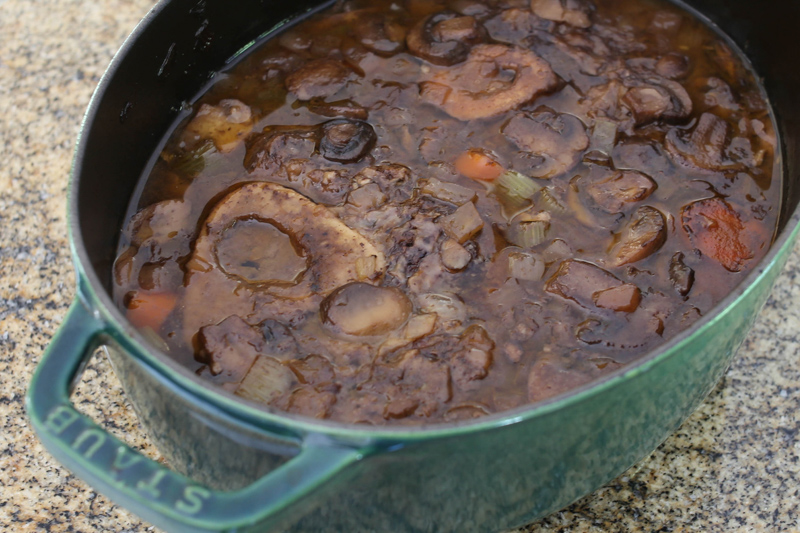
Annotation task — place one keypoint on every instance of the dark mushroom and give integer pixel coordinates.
(346, 141)
(493, 79)
(363, 309)
(579, 281)
(558, 139)
(703, 148)
(657, 99)
(319, 78)
(444, 38)
(681, 276)
(641, 237)
(621, 188)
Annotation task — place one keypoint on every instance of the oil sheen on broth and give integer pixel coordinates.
(414, 212)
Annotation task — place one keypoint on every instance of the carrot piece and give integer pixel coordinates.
(477, 165)
(150, 309)
(718, 232)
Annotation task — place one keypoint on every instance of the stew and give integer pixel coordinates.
(431, 210)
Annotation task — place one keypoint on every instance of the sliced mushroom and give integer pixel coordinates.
(702, 148)
(718, 232)
(346, 141)
(338, 109)
(579, 281)
(681, 276)
(320, 78)
(331, 251)
(363, 309)
(444, 38)
(641, 237)
(657, 99)
(573, 12)
(381, 34)
(621, 188)
(493, 79)
(227, 124)
(558, 139)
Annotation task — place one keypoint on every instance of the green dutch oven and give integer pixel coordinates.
(235, 466)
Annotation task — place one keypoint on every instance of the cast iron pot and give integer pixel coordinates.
(235, 466)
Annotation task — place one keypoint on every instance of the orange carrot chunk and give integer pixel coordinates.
(150, 309)
(477, 165)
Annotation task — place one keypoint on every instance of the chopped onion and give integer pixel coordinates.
(266, 380)
(195, 161)
(527, 234)
(549, 202)
(447, 192)
(604, 135)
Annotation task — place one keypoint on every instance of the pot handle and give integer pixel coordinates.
(165, 498)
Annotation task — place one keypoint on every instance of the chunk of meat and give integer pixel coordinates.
(559, 139)
(463, 224)
(320, 78)
(470, 362)
(363, 309)
(332, 250)
(229, 348)
(621, 188)
(278, 145)
(346, 141)
(718, 232)
(579, 281)
(396, 181)
(493, 79)
(702, 148)
(158, 224)
(681, 276)
(445, 38)
(310, 402)
(573, 12)
(644, 234)
(227, 124)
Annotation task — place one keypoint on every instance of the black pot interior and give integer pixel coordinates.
(168, 61)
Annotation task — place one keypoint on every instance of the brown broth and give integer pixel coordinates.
(524, 323)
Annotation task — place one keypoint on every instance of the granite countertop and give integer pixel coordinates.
(733, 466)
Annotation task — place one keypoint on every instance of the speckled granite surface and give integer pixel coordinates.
(732, 467)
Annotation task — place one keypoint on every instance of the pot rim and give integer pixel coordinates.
(90, 287)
